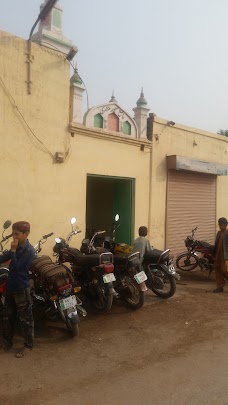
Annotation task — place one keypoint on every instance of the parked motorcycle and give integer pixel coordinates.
(199, 253)
(160, 272)
(130, 280)
(4, 271)
(93, 272)
(52, 286)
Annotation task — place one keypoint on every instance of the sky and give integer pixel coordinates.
(175, 49)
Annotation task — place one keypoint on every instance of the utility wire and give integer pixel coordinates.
(24, 120)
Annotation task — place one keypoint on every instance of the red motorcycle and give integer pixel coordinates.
(199, 254)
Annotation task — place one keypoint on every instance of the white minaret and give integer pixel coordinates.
(76, 97)
(50, 31)
(141, 112)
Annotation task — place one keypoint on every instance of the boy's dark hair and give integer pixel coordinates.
(222, 221)
(142, 231)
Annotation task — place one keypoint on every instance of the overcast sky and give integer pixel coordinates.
(175, 49)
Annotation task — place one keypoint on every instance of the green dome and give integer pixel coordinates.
(113, 100)
(141, 101)
(76, 78)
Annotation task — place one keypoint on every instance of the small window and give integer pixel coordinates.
(127, 128)
(98, 121)
(113, 122)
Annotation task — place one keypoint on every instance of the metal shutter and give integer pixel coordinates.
(191, 202)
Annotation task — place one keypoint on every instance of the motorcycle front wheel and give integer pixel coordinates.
(161, 283)
(186, 262)
(131, 293)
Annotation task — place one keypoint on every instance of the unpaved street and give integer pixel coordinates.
(169, 352)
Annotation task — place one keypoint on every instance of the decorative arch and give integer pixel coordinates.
(111, 117)
(113, 122)
(127, 128)
(98, 121)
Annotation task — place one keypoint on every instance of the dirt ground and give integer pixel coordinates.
(169, 352)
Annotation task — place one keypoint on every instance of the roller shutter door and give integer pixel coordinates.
(191, 202)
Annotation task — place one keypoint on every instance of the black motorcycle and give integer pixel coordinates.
(160, 272)
(52, 288)
(93, 272)
(4, 271)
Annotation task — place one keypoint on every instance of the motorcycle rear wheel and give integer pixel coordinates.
(164, 280)
(74, 330)
(186, 262)
(132, 295)
(102, 303)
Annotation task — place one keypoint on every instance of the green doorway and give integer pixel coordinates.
(105, 197)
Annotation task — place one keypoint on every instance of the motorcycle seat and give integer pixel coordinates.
(80, 259)
(155, 256)
(121, 258)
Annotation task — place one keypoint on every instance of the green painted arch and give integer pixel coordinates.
(127, 128)
(56, 19)
(98, 121)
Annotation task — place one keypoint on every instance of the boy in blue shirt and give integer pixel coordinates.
(17, 303)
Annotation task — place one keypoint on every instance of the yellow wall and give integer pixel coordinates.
(33, 186)
(47, 194)
(178, 140)
(96, 155)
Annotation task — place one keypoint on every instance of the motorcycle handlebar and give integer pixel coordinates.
(7, 237)
(48, 235)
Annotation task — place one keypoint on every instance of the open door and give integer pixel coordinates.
(107, 196)
(123, 205)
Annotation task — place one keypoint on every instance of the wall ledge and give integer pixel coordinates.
(78, 129)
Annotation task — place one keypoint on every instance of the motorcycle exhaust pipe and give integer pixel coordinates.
(81, 311)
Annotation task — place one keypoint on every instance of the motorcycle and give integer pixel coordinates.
(93, 272)
(160, 274)
(199, 254)
(52, 286)
(130, 279)
(3, 269)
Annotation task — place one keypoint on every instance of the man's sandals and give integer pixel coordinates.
(23, 352)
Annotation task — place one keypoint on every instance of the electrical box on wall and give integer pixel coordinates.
(59, 157)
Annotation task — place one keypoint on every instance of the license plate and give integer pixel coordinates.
(108, 278)
(140, 277)
(68, 302)
(172, 268)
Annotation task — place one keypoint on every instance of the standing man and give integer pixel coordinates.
(17, 303)
(221, 255)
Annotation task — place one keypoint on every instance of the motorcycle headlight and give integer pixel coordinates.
(172, 269)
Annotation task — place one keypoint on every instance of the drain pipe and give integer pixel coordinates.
(150, 137)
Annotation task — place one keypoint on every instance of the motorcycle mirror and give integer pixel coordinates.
(73, 221)
(57, 240)
(7, 224)
(117, 217)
